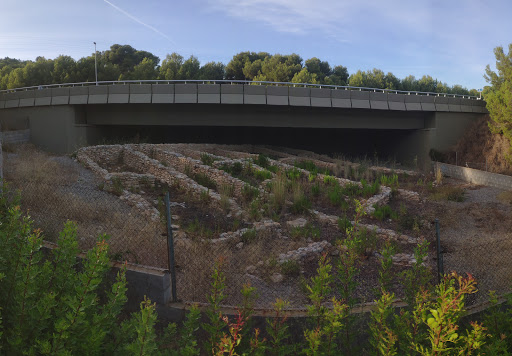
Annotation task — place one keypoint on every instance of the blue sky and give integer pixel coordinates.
(452, 40)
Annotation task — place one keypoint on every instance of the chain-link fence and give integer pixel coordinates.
(489, 261)
(133, 236)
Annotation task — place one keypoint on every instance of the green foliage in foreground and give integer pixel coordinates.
(51, 305)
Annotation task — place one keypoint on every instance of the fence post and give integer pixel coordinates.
(170, 247)
(440, 267)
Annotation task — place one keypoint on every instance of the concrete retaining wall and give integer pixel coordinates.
(15, 137)
(476, 176)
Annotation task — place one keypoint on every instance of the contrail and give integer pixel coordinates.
(139, 21)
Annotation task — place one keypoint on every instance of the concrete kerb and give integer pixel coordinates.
(142, 281)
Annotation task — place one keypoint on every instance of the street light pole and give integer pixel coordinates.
(95, 63)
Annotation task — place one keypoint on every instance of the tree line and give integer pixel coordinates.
(123, 62)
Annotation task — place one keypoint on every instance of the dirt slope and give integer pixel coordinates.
(479, 145)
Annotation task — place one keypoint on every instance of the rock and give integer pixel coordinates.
(277, 278)
(300, 222)
(259, 264)
(239, 245)
(250, 269)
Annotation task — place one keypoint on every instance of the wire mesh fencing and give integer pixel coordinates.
(489, 261)
(133, 235)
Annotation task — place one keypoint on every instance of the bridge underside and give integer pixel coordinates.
(252, 116)
(400, 135)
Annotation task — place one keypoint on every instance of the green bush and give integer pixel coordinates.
(206, 159)
(384, 212)
(249, 236)
(290, 268)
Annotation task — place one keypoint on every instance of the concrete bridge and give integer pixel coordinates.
(64, 116)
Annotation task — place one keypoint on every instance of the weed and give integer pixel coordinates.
(262, 161)
(198, 229)
(301, 203)
(164, 163)
(117, 186)
(450, 193)
(390, 181)
(367, 241)
(205, 196)
(330, 180)
(370, 190)
(439, 175)
(505, 197)
(293, 174)
(254, 210)
(290, 268)
(249, 193)
(249, 236)
(206, 159)
(315, 190)
(308, 166)
(279, 191)
(261, 175)
(204, 180)
(308, 231)
(384, 212)
(344, 224)
(351, 190)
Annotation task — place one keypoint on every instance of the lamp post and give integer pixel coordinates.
(95, 63)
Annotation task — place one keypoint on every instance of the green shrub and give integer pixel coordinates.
(206, 159)
(262, 161)
(261, 175)
(117, 186)
(307, 231)
(307, 165)
(249, 236)
(315, 189)
(290, 268)
(300, 203)
(344, 224)
(330, 180)
(249, 192)
(384, 212)
(293, 174)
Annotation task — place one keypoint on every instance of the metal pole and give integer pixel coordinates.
(440, 267)
(95, 63)
(170, 247)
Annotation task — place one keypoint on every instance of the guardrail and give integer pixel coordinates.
(235, 82)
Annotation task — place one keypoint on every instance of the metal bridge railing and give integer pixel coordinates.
(235, 82)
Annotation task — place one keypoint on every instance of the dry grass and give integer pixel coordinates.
(505, 197)
(448, 192)
(32, 165)
(480, 145)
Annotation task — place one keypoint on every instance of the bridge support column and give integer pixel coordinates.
(414, 148)
(57, 129)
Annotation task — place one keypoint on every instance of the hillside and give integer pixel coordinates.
(479, 145)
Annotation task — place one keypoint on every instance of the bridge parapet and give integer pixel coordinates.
(227, 93)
